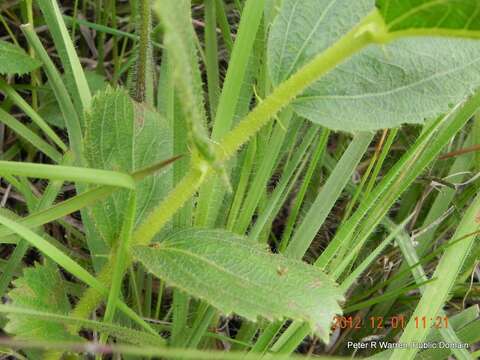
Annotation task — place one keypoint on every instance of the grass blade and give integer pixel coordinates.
(68, 55)
(22, 104)
(80, 201)
(434, 296)
(327, 197)
(67, 173)
(30, 136)
(121, 254)
(72, 119)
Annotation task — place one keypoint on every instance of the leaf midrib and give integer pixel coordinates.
(253, 303)
(222, 269)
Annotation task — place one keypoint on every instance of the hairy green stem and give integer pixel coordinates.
(369, 31)
(144, 20)
(173, 202)
(286, 92)
(352, 42)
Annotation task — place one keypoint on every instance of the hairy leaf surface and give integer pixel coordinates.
(41, 288)
(14, 60)
(236, 275)
(127, 136)
(407, 81)
(448, 17)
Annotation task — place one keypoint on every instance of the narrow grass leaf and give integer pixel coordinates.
(232, 101)
(50, 108)
(237, 69)
(142, 351)
(77, 202)
(68, 55)
(409, 252)
(288, 179)
(24, 132)
(67, 173)
(447, 270)
(36, 118)
(328, 195)
(70, 115)
(350, 279)
(398, 178)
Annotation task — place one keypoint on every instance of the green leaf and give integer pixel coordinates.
(383, 86)
(236, 275)
(432, 17)
(124, 334)
(58, 256)
(41, 288)
(14, 60)
(126, 136)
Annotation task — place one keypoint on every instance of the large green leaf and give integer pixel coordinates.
(14, 60)
(436, 17)
(236, 275)
(41, 288)
(127, 136)
(406, 81)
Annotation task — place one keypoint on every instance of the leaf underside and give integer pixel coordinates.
(15, 61)
(236, 275)
(126, 136)
(454, 17)
(407, 81)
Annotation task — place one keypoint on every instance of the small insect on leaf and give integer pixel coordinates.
(282, 270)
